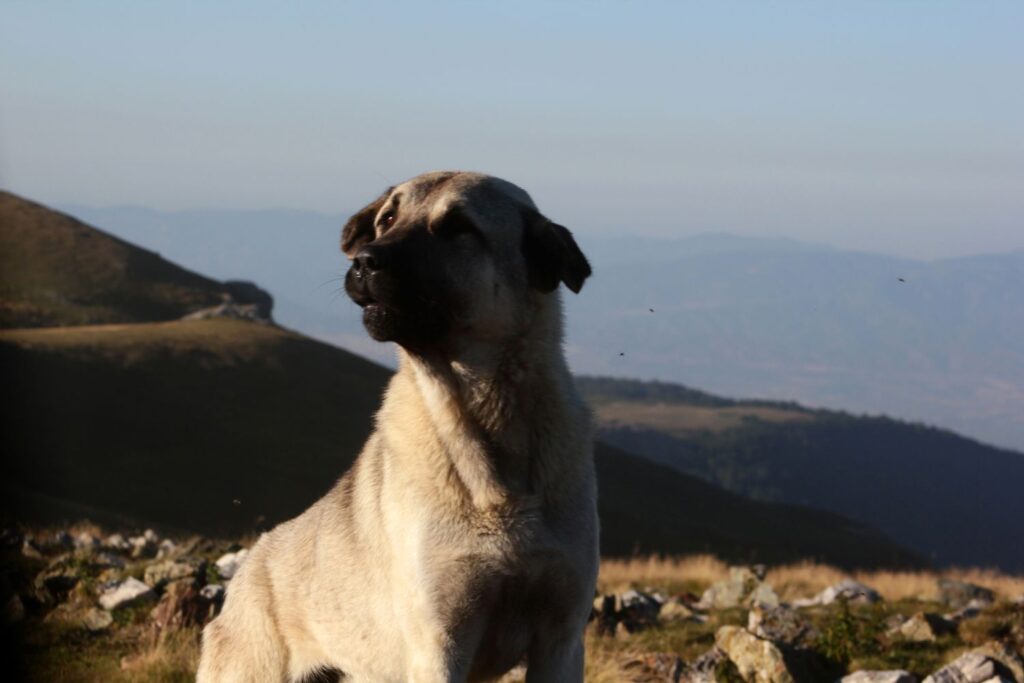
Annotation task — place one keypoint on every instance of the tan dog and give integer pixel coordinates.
(464, 538)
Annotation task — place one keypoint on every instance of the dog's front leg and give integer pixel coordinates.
(430, 656)
(557, 659)
(430, 665)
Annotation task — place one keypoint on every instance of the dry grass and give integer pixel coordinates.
(680, 419)
(690, 571)
(602, 664)
(794, 580)
(173, 657)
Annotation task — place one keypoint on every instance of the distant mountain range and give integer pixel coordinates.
(937, 342)
(954, 500)
(225, 426)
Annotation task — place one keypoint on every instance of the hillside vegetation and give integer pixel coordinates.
(952, 499)
(56, 270)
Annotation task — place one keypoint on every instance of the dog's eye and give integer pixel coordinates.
(387, 219)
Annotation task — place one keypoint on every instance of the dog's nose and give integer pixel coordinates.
(370, 259)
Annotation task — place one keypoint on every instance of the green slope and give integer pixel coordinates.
(952, 499)
(56, 270)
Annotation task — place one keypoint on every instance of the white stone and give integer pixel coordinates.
(116, 542)
(849, 589)
(125, 593)
(972, 667)
(213, 592)
(229, 564)
(897, 676)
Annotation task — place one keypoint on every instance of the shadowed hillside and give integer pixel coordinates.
(227, 426)
(952, 499)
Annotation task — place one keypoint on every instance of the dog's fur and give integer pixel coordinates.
(464, 538)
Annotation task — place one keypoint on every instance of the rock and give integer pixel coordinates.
(847, 589)
(607, 615)
(973, 667)
(182, 604)
(166, 548)
(63, 539)
(242, 292)
(30, 550)
(117, 543)
(673, 610)
(125, 593)
(229, 309)
(655, 667)
(638, 610)
(161, 573)
(96, 620)
(780, 624)
(764, 595)
(11, 538)
(897, 676)
(925, 626)
(143, 546)
(229, 564)
(54, 582)
(1010, 659)
(732, 591)
(960, 593)
(213, 592)
(757, 660)
(14, 610)
(86, 541)
(968, 611)
(702, 670)
(106, 560)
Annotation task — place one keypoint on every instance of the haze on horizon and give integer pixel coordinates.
(884, 127)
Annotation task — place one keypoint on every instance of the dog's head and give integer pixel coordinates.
(448, 254)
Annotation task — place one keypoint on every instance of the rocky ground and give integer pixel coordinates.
(82, 604)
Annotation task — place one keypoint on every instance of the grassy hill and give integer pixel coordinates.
(56, 270)
(952, 499)
(226, 426)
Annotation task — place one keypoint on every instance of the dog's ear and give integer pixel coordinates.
(552, 255)
(359, 229)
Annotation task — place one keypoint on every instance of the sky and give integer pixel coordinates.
(893, 127)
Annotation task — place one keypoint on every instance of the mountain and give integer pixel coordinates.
(952, 499)
(226, 426)
(937, 342)
(934, 341)
(60, 271)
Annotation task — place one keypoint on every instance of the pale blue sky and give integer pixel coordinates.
(884, 126)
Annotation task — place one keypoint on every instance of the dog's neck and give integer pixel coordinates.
(495, 404)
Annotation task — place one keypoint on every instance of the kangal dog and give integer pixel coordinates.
(463, 540)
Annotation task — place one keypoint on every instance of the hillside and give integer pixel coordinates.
(56, 270)
(226, 426)
(952, 499)
(933, 341)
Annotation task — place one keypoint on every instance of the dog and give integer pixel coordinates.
(464, 539)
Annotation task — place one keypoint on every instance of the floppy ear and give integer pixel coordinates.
(359, 229)
(552, 255)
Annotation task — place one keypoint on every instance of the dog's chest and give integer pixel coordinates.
(494, 606)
